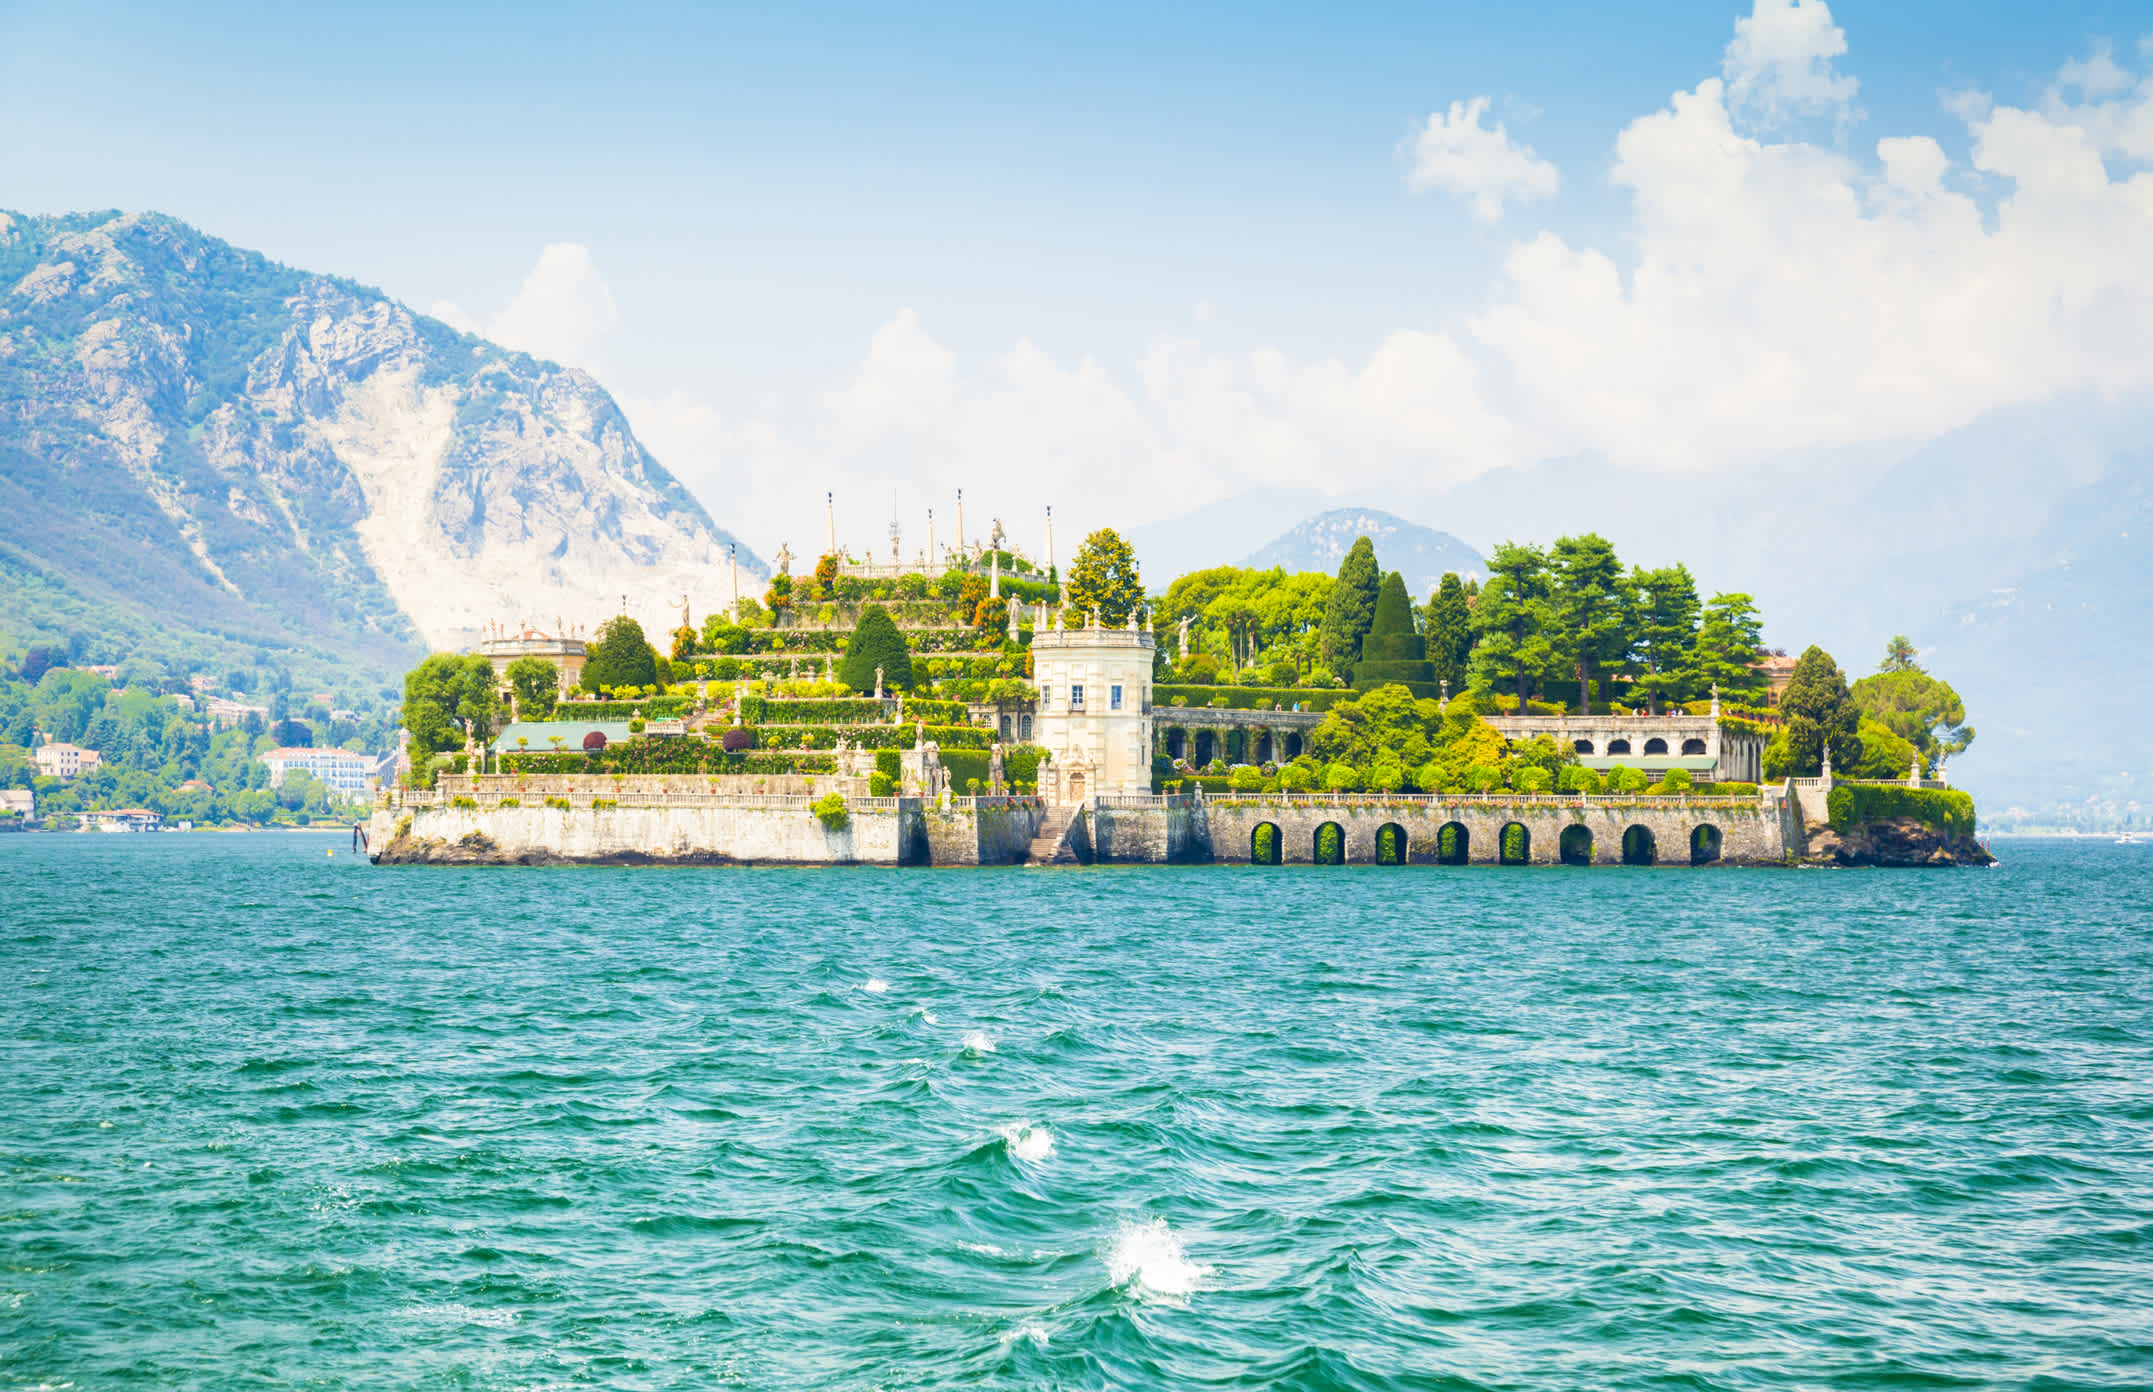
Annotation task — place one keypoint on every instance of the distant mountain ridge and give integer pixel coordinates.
(200, 447)
(1420, 554)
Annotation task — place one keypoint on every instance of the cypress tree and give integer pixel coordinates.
(1449, 642)
(875, 642)
(1819, 714)
(1352, 606)
(1392, 650)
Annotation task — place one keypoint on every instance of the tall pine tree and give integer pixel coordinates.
(1730, 644)
(1591, 609)
(1510, 639)
(1666, 633)
(1352, 606)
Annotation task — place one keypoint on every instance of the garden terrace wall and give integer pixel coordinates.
(632, 788)
(1751, 833)
(741, 831)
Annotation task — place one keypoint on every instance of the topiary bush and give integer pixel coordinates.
(1246, 779)
(876, 643)
(1578, 779)
(1627, 780)
(880, 784)
(737, 738)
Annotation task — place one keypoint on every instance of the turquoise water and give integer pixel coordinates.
(272, 1118)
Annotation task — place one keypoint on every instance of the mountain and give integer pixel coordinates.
(1217, 533)
(1422, 554)
(209, 456)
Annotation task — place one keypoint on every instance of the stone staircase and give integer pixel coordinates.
(1051, 846)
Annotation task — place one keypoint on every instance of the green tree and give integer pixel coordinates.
(536, 685)
(1591, 604)
(875, 643)
(1818, 713)
(1915, 707)
(1392, 651)
(620, 656)
(447, 698)
(1510, 640)
(1730, 644)
(1104, 578)
(1666, 632)
(1351, 607)
(1448, 641)
(1900, 655)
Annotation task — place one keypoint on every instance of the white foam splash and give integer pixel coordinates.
(1026, 1141)
(976, 1042)
(458, 1313)
(1031, 1330)
(875, 986)
(1147, 1257)
(926, 1016)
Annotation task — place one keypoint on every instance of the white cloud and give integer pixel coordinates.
(1783, 295)
(1457, 154)
(1779, 63)
(2112, 108)
(563, 309)
(1774, 295)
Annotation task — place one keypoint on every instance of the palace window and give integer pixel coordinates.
(1076, 698)
(1113, 698)
(1027, 724)
(1046, 698)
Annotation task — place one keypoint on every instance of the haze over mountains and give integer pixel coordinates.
(204, 451)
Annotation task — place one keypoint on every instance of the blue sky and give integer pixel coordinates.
(845, 242)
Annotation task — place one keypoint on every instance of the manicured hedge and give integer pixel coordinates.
(962, 766)
(650, 708)
(667, 756)
(1946, 809)
(871, 736)
(777, 711)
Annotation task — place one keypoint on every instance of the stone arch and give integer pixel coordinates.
(1391, 844)
(1205, 749)
(1694, 746)
(1266, 844)
(1638, 846)
(1583, 746)
(1177, 742)
(1655, 745)
(1026, 723)
(1705, 843)
(1575, 848)
(1293, 745)
(1453, 844)
(1330, 845)
(1620, 746)
(1514, 845)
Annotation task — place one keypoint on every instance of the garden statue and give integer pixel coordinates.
(684, 620)
(784, 559)
(878, 683)
(1183, 647)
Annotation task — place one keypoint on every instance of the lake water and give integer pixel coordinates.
(273, 1118)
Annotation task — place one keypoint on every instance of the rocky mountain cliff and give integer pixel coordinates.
(203, 450)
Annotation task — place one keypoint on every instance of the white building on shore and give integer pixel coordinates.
(1094, 713)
